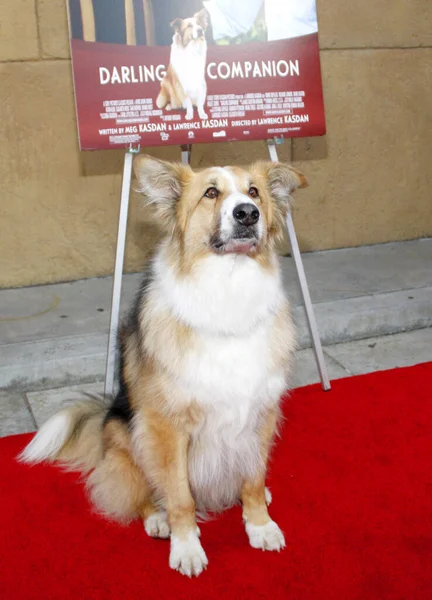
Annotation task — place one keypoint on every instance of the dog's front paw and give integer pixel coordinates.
(266, 537)
(187, 556)
(189, 115)
(202, 115)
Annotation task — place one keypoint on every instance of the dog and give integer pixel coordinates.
(184, 85)
(206, 355)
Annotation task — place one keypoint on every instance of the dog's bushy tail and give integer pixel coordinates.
(73, 437)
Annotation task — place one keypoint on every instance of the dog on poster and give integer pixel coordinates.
(184, 85)
(206, 355)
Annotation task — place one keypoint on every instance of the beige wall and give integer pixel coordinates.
(370, 177)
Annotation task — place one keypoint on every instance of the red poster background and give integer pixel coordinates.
(96, 132)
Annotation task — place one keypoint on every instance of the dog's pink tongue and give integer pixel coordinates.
(240, 246)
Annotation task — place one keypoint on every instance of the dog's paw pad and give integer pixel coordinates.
(265, 537)
(156, 525)
(187, 556)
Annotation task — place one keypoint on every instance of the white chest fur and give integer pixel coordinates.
(224, 295)
(229, 379)
(222, 370)
(189, 65)
(232, 379)
(231, 304)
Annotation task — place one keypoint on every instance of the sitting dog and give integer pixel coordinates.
(206, 354)
(184, 85)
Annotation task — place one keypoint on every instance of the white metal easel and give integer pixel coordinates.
(119, 261)
(313, 329)
(118, 271)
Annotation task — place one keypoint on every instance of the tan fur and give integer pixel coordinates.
(117, 486)
(171, 92)
(84, 448)
(195, 215)
(163, 443)
(282, 330)
(253, 498)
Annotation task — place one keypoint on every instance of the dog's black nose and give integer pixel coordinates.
(246, 214)
(200, 31)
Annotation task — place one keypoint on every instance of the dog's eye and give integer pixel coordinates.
(212, 193)
(253, 192)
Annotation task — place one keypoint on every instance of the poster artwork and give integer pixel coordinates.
(154, 72)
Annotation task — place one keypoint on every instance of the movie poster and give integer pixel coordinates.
(153, 72)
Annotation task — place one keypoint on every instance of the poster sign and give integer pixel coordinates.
(154, 72)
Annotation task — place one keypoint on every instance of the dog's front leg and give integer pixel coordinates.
(187, 103)
(200, 105)
(186, 553)
(262, 531)
(167, 465)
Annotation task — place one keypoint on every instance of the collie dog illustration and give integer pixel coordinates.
(184, 85)
(206, 355)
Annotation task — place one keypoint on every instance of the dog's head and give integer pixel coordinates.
(190, 29)
(219, 210)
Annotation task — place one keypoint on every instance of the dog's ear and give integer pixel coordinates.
(176, 24)
(202, 18)
(282, 180)
(162, 184)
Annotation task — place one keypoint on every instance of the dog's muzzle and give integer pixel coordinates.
(244, 236)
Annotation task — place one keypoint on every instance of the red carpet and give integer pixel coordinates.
(352, 487)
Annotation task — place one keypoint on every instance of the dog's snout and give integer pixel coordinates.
(200, 31)
(246, 214)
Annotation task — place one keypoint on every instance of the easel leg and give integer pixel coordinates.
(313, 329)
(118, 273)
(186, 150)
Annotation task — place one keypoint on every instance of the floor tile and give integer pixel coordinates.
(47, 402)
(306, 372)
(15, 417)
(387, 352)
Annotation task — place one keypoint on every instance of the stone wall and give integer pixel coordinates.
(370, 177)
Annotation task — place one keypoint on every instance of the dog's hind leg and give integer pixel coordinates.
(117, 486)
(155, 521)
(163, 97)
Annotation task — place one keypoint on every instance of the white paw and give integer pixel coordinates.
(203, 115)
(266, 537)
(268, 496)
(189, 116)
(156, 525)
(187, 556)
